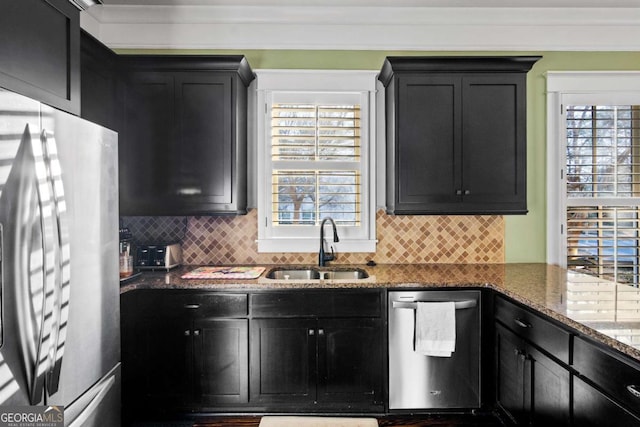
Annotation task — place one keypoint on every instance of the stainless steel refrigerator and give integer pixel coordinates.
(59, 290)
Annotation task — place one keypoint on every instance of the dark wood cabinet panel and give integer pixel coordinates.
(184, 351)
(203, 142)
(550, 390)
(511, 375)
(350, 361)
(283, 361)
(221, 361)
(531, 387)
(317, 350)
(145, 151)
(593, 409)
(534, 328)
(428, 163)
(456, 134)
(183, 142)
(100, 86)
(617, 376)
(40, 51)
(494, 132)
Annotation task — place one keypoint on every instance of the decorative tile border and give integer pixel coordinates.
(402, 239)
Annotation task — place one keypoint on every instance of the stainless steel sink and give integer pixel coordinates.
(293, 274)
(345, 274)
(324, 273)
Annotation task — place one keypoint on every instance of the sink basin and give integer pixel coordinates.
(317, 274)
(340, 274)
(292, 274)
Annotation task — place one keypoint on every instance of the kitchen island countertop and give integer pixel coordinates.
(596, 308)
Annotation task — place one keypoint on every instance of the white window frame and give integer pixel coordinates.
(575, 88)
(362, 83)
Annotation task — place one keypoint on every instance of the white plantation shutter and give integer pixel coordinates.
(603, 190)
(316, 157)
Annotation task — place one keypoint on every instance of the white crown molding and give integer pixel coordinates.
(365, 28)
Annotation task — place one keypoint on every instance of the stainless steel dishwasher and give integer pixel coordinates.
(424, 382)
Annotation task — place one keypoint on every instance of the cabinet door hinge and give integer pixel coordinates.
(561, 229)
(561, 173)
(561, 109)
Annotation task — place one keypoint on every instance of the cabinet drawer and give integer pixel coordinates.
(534, 328)
(618, 378)
(329, 303)
(198, 304)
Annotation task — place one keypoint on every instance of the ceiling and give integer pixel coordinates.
(389, 3)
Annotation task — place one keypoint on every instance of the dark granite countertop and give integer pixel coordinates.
(605, 311)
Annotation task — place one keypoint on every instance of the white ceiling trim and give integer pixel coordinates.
(370, 28)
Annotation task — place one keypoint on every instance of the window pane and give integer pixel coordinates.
(603, 151)
(315, 132)
(306, 197)
(603, 241)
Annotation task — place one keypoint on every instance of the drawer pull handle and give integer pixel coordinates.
(192, 306)
(633, 390)
(522, 323)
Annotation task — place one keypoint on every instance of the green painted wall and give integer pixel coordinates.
(525, 235)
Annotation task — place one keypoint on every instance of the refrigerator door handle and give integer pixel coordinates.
(44, 190)
(95, 403)
(62, 261)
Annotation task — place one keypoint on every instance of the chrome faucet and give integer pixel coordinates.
(322, 257)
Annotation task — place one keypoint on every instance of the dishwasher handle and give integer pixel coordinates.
(460, 305)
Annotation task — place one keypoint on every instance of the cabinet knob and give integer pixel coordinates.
(187, 333)
(192, 306)
(458, 192)
(311, 332)
(196, 332)
(320, 331)
(467, 192)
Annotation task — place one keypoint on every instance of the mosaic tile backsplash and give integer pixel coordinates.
(402, 239)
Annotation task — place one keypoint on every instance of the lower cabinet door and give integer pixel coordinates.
(350, 368)
(593, 409)
(511, 376)
(551, 397)
(161, 364)
(221, 358)
(283, 362)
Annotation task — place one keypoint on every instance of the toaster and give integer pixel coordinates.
(158, 257)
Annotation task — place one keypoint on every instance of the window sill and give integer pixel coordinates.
(306, 245)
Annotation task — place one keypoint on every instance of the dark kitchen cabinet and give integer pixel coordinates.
(101, 88)
(456, 134)
(591, 408)
(40, 51)
(184, 351)
(533, 380)
(531, 387)
(184, 135)
(330, 358)
(607, 388)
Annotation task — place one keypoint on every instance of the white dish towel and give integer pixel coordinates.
(435, 328)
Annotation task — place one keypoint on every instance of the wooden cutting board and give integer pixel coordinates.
(228, 272)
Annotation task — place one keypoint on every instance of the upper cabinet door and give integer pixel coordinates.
(146, 150)
(204, 140)
(40, 51)
(427, 150)
(494, 133)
